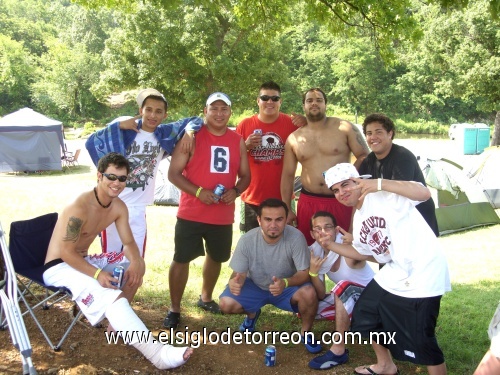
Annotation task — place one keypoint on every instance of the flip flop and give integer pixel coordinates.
(371, 372)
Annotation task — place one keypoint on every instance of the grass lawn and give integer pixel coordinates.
(465, 312)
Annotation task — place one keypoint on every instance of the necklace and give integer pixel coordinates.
(98, 201)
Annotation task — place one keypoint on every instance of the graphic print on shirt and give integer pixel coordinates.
(374, 233)
(142, 159)
(219, 161)
(272, 148)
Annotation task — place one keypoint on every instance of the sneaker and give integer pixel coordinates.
(172, 320)
(312, 345)
(249, 324)
(329, 360)
(209, 306)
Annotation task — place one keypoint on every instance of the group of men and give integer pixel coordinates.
(274, 263)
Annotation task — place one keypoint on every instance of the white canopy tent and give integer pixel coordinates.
(30, 141)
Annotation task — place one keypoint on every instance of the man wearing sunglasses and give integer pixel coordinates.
(144, 140)
(89, 277)
(265, 151)
(323, 143)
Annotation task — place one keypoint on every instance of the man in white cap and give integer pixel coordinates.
(206, 214)
(144, 140)
(399, 308)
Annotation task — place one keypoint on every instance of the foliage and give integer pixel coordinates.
(15, 75)
(433, 61)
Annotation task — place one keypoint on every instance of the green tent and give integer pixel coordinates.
(460, 203)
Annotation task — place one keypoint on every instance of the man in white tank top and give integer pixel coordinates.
(350, 276)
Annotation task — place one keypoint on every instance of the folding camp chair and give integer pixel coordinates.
(10, 308)
(70, 159)
(29, 241)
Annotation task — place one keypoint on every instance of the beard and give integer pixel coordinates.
(315, 117)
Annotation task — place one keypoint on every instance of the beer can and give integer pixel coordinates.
(219, 190)
(270, 358)
(257, 131)
(118, 272)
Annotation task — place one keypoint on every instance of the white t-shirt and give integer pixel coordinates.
(389, 227)
(144, 155)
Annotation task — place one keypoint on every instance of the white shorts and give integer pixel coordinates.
(90, 296)
(110, 240)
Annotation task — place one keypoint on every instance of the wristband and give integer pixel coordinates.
(198, 192)
(313, 274)
(286, 283)
(96, 274)
(379, 184)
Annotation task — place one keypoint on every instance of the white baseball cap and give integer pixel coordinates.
(143, 94)
(341, 172)
(218, 96)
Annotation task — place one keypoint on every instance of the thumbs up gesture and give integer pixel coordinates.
(277, 286)
(236, 283)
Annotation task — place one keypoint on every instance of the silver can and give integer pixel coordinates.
(219, 190)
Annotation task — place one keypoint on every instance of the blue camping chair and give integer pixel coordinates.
(28, 244)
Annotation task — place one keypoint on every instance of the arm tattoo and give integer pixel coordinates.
(73, 229)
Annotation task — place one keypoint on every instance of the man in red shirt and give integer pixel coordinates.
(265, 151)
(203, 216)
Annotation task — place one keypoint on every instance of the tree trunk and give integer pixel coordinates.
(495, 141)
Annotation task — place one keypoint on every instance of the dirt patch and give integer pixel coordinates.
(85, 351)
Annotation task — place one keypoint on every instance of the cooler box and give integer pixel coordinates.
(467, 139)
(483, 137)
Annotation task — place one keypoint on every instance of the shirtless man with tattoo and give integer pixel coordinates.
(321, 144)
(89, 278)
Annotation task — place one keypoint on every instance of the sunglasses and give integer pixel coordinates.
(114, 177)
(265, 98)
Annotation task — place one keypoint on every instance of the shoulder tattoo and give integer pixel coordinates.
(73, 229)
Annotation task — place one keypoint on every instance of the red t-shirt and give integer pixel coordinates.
(266, 161)
(216, 160)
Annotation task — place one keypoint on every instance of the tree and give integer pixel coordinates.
(64, 80)
(188, 53)
(457, 59)
(16, 74)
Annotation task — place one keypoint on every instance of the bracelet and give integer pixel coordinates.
(286, 283)
(313, 274)
(97, 272)
(198, 192)
(379, 184)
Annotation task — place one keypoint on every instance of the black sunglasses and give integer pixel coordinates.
(114, 177)
(265, 98)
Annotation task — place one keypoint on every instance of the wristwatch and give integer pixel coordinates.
(237, 191)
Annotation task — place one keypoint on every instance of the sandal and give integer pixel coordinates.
(172, 320)
(371, 372)
(209, 306)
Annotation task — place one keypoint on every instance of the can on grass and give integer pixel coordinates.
(118, 272)
(219, 190)
(270, 358)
